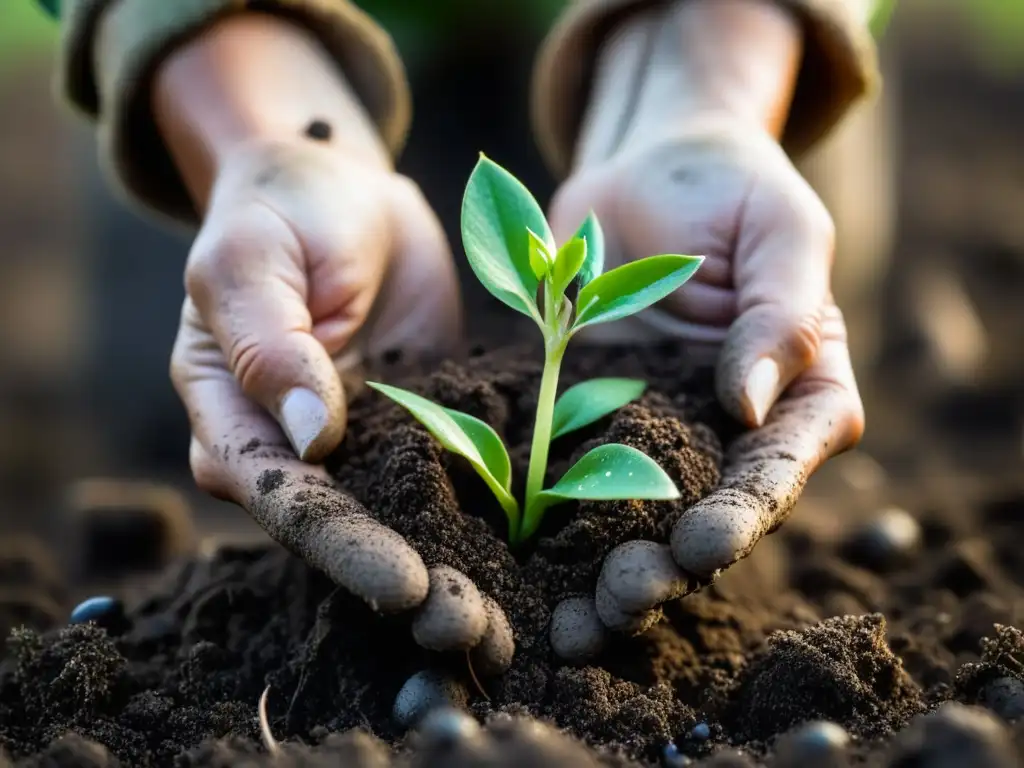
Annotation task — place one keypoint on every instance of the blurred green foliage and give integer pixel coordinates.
(25, 29)
(1000, 28)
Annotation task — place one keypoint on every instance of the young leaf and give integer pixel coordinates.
(567, 264)
(464, 435)
(613, 471)
(593, 265)
(540, 257)
(497, 210)
(487, 442)
(591, 400)
(609, 472)
(632, 287)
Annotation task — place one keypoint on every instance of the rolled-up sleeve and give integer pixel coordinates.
(109, 80)
(839, 67)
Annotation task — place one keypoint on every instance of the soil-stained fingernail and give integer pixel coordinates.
(304, 418)
(761, 386)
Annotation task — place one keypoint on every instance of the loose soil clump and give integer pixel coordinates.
(747, 658)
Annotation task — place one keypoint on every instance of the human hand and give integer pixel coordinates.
(679, 152)
(760, 304)
(312, 253)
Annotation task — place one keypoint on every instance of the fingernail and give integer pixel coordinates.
(304, 418)
(762, 383)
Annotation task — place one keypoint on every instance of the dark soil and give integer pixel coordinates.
(752, 656)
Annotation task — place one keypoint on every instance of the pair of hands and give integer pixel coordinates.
(309, 255)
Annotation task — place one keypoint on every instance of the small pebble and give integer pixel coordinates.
(954, 736)
(423, 692)
(671, 757)
(819, 743)
(886, 542)
(1005, 697)
(97, 609)
(701, 732)
(445, 726)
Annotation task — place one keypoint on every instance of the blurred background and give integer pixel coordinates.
(927, 187)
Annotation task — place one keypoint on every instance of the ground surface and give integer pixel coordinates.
(751, 657)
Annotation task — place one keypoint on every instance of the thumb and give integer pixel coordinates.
(249, 285)
(782, 269)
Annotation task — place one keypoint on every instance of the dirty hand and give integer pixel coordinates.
(312, 252)
(720, 185)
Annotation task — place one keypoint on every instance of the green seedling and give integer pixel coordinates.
(512, 252)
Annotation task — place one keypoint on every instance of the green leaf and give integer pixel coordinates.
(567, 264)
(466, 436)
(487, 442)
(591, 400)
(540, 257)
(632, 287)
(590, 230)
(613, 471)
(497, 211)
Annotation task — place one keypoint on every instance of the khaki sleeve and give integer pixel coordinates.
(839, 67)
(110, 82)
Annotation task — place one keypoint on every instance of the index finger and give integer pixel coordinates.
(240, 453)
(766, 469)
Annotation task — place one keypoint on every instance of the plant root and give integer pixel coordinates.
(268, 737)
(476, 680)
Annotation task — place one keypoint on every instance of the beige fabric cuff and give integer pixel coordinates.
(112, 85)
(839, 67)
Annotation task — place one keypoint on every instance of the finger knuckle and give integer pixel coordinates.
(205, 471)
(250, 361)
(855, 418)
(805, 338)
(178, 367)
(211, 264)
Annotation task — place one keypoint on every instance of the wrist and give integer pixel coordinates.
(234, 86)
(699, 62)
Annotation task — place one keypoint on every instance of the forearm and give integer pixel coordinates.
(253, 77)
(699, 60)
